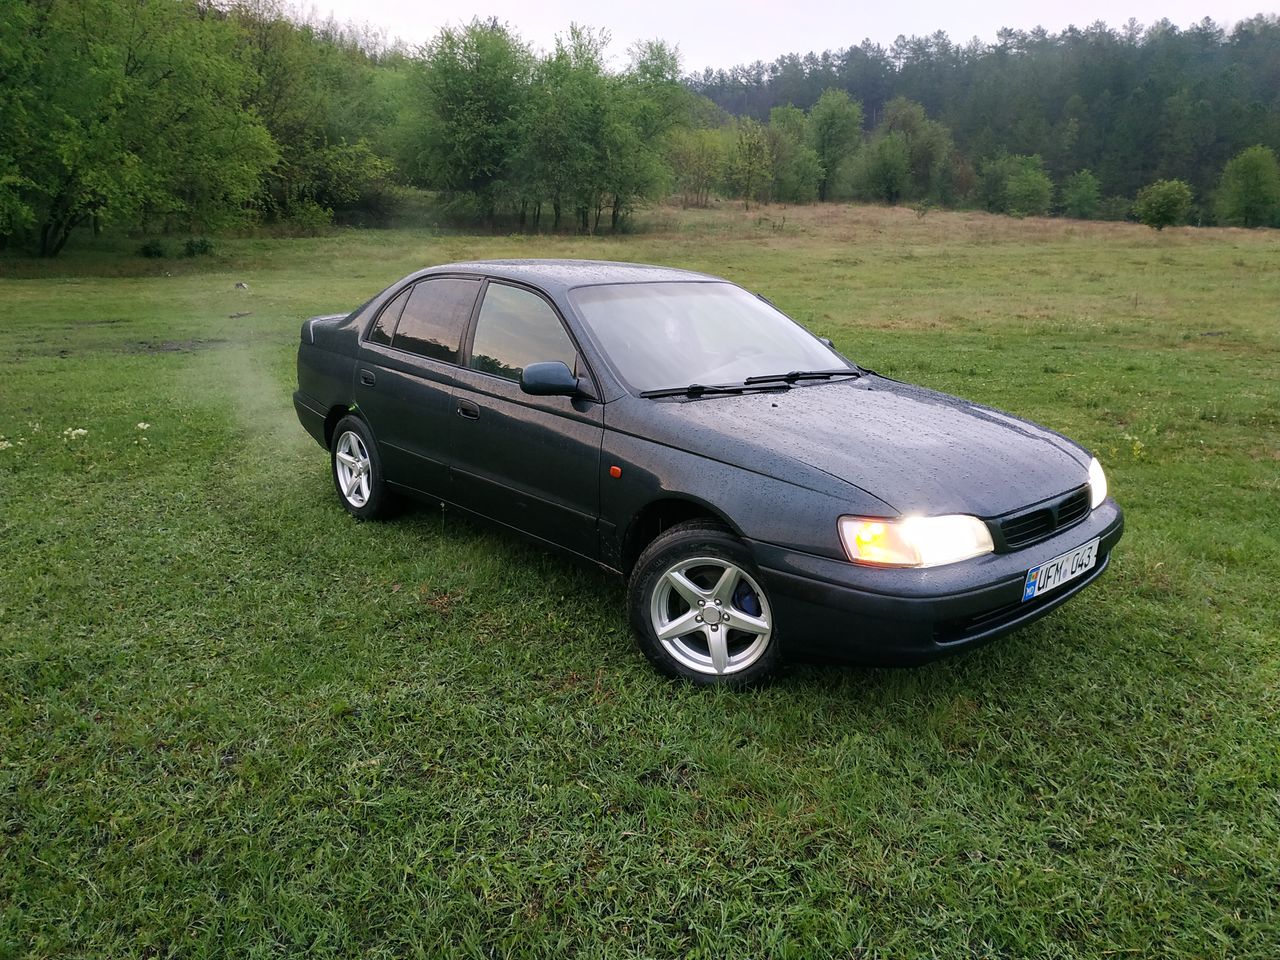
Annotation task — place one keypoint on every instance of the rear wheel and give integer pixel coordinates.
(357, 470)
(699, 610)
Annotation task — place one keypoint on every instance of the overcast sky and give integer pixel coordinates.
(722, 33)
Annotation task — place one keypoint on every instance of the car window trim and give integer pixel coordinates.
(468, 340)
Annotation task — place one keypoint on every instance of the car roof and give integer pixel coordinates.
(557, 276)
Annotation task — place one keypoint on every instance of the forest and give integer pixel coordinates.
(183, 118)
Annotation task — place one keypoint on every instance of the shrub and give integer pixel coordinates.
(1017, 185)
(155, 249)
(197, 247)
(308, 219)
(1164, 203)
(1028, 192)
(1082, 195)
(883, 169)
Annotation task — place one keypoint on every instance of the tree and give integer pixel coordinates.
(1164, 203)
(471, 91)
(566, 123)
(125, 111)
(749, 169)
(313, 87)
(1249, 193)
(647, 103)
(795, 164)
(927, 142)
(883, 173)
(1081, 195)
(835, 124)
(697, 159)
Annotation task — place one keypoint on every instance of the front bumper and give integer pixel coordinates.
(838, 609)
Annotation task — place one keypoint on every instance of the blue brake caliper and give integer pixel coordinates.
(745, 599)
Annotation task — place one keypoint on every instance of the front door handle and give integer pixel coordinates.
(367, 378)
(468, 410)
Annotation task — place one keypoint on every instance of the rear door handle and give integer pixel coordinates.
(468, 410)
(367, 378)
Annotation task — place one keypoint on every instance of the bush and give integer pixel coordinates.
(1249, 195)
(1028, 193)
(1164, 203)
(197, 247)
(308, 219)
(155, 249)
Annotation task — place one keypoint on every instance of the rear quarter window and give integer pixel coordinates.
(384, 327)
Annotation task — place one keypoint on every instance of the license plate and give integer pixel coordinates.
(1055, 572)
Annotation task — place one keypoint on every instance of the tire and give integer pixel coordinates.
(690, 574)
(357, 470)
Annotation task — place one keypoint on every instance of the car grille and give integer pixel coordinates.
(1041, 523)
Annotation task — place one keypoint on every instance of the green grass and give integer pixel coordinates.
(233, 722)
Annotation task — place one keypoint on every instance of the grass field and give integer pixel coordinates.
(233, 722)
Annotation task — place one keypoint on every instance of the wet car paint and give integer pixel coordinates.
(778, 467)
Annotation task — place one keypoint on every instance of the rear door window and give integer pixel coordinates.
(516, 328)
(435, 317)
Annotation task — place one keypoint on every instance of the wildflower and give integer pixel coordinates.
(74, 433)
(5, 444)
(143, 426)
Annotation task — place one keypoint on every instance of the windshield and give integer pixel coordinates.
(673, 334)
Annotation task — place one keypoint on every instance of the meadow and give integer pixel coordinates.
(234, 722)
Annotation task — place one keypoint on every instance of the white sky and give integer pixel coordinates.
(721, 33)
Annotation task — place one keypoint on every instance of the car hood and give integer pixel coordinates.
(917, 450)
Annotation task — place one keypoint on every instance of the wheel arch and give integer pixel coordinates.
(662, 514)
(332, 419)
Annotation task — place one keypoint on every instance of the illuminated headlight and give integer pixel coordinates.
(1097, 483)
(914, 541)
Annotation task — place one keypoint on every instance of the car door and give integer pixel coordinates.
(404, 378)
(530, 462)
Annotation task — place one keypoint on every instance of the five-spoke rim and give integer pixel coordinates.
(351, 462)
(711, 616)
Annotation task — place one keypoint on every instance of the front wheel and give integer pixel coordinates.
(357, 470)
(699, 610)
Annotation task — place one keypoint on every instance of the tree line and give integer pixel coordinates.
(190, 116)
(1076, 122)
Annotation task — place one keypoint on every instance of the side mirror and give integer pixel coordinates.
(826, 342)
(551, 379)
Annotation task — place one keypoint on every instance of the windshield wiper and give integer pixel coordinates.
(702, 389)
(796, 375)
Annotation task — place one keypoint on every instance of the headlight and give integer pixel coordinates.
(1097, 483)
(914, 541)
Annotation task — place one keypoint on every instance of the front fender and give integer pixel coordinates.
(756, 506)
